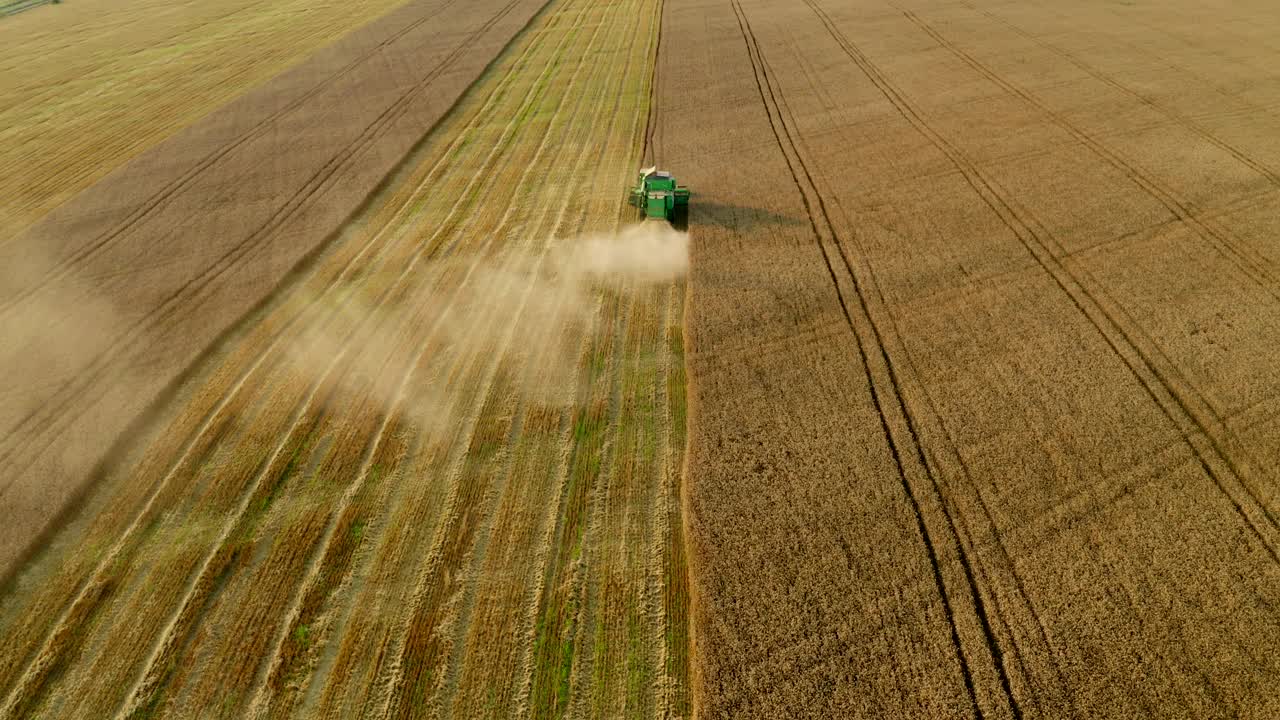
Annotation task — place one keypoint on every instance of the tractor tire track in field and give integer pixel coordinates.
(1154, 382)
(1101, 564)
(968, 168)
(650, 150)
(1251, 264)
(931, 421)
(1185, 397)
(1228, 246)
(906, 450)
(270, 347)
(91, 377)
(1251, 106)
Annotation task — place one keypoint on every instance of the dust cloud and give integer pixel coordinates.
(651, 252)
(52, 327)
(456, 328)
(519, 320)
(49, 331)
(520, 317)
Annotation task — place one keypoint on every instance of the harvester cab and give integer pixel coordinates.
(657, 194)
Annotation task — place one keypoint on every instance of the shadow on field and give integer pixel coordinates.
(737, 217)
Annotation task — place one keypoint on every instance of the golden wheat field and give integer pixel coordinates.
(338, 379)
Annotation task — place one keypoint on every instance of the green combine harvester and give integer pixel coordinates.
(658, 195)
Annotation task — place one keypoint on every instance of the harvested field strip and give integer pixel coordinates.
(250, 453)
(616, 172)
(103, 67)
(359, 429)
(357, 472)
(468, 477)
(540, 461)
(550, 664)
(620, 673)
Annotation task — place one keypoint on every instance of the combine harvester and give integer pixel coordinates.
(658, 195)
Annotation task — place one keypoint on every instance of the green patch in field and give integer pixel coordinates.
(638, 671)
(553, 652)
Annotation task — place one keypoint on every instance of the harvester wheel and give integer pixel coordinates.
(680, 217)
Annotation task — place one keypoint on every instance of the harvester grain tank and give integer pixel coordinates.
(658, 195)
